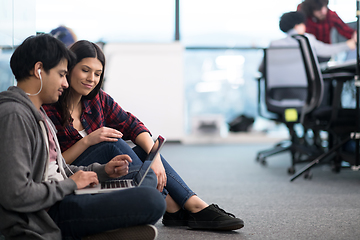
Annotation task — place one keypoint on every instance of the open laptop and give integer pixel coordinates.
(348, 63)
(120, 184)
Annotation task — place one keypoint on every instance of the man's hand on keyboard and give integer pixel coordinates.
(118, 166)
(84, 179)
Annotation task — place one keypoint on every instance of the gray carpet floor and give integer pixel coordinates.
(272, 207)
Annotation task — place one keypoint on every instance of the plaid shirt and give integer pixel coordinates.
(102, 111)
(321, 29)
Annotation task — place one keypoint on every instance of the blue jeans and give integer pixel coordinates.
(81, 215)
(175, 186)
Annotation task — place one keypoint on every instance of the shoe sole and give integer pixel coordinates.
(143, 232)
(224, 226)
(174, 223)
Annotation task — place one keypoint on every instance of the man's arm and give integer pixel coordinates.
(22, 166)
(116, 167)
(327, 50)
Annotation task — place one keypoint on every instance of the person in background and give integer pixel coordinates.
(88, 119)
(293, 23)
(64, 34)
(37, 186)
(320, 20)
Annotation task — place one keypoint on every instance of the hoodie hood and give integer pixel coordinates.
(16, 94)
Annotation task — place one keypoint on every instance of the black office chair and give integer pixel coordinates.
(338, 122)
(285, 92)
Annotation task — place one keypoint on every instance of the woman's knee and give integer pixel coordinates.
(150, 179)
(118, 147)
(122, 145)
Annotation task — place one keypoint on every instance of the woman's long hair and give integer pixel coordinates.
(82, 49)
(309, 6)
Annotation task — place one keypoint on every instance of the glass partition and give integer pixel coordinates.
(17, 22)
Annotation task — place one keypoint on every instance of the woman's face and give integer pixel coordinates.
(86, 75)
(321, 14)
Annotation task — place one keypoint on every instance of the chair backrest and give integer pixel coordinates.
(313, 75)
(285, 79)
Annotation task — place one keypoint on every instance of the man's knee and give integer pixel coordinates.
(154, 200)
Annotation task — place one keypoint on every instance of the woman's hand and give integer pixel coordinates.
(145, 141)
(118, 166)
(352, 41)
(103, 134)
(159, 170)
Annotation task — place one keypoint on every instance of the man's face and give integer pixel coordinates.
(321, 14)
(54, 83)
(300, 28)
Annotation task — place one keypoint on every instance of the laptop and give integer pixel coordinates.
(121, 184)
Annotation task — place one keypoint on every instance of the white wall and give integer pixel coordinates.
(146, 79)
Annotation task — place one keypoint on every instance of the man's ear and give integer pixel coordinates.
(36, 71)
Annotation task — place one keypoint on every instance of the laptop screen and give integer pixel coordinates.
(149, 159)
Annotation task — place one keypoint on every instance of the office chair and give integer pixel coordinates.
(284, 96)
(337, 121)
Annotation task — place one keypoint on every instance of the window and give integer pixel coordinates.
(17, 21)
(110, 21)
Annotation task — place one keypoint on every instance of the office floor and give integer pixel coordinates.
(272, 207)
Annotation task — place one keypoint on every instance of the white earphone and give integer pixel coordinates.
(39, 71)
(41, 85)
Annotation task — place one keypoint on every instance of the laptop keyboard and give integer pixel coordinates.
(117, 184)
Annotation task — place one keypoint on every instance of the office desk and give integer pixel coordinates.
(342, 69)
(347, 66)
(343, 72)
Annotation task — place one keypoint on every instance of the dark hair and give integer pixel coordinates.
(64, 34)
(41, 48)
(82, 49)
(309, 6)
(290, 19)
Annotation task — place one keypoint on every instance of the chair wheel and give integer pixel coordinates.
(263, 161)
(336, 169)
(308, 175)
(291, 170)
(259, 157)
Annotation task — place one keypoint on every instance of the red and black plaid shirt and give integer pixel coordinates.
(102, 111)
(321, 29)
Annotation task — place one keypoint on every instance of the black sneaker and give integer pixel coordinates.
(179, 218)
(143, 232)
(214, 218)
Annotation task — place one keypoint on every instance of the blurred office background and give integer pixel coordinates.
(191, 84)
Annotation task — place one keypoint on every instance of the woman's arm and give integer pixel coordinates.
(75, 151)
(343, 29)
(114, 116)
(100, 135)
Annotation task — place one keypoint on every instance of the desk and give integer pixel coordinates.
(344, 71)
(345, 68)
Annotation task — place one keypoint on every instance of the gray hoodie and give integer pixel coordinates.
(321, 49)
(24, 194)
